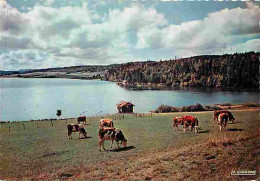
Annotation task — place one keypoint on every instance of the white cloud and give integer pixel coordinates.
(48, 2)
(214, 32)
(72, 35)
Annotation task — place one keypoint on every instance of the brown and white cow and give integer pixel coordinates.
(217, 113)
(111, 134)
(103, 123)
(223, 119)
(82, 119)
(76, 128)
(176, 121)
(190, 121)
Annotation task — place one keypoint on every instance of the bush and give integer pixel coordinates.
(212, 108)
(225, 104)
(165, 108)
(251, 104)
(193, 108)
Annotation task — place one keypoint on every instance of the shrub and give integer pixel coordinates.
(212, 108)
(225, 104)
(193, 108)
(164, 108)
(251, 104)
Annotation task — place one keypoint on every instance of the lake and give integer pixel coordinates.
(25, 99)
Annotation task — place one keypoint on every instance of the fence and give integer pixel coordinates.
(25, 125)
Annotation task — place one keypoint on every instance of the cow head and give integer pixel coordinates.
(85, 134)
(124, 143)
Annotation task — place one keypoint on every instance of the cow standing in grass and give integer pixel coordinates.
(82, 119)
(103, 123)
(176, 121)
(111, 134)
(217, 113)
(76, 128)
(190, 121)
(223, 119)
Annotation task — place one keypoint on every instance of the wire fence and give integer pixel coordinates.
(9, 126)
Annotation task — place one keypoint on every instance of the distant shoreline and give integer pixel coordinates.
(224, 106)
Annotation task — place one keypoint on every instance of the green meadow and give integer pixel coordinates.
(32, 148)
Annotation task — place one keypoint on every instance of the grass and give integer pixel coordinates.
(155, 150)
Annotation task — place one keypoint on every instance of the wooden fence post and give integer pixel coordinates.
(23, 126)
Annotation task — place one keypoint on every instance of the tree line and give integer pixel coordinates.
(228, 70)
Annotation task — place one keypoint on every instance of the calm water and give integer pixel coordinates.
(24, 99)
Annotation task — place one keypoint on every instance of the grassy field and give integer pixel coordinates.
(44, 151)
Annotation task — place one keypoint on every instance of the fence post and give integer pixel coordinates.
(23, 126)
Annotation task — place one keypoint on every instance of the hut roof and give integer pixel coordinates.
(124, 103)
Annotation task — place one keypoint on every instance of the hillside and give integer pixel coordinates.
(235, 70)
(73, 72)
(40, 150)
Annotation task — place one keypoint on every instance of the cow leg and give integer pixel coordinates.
(117, 145)
(103, 145)
(184, 127)
(196, 129)
(226, 126)
(111, 143)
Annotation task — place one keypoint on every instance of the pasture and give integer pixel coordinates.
(45, 149)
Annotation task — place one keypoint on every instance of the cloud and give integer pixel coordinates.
(46, 36)
(214, 32)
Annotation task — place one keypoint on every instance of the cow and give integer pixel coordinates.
(223, 119)
(76, 128)
(176, 121)
(111, 134)
(82, 119)
(106, 123)
(216, 115)
(190, 121)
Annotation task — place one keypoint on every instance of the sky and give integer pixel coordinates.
(57, 33)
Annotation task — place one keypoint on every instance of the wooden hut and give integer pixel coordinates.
(125, 107)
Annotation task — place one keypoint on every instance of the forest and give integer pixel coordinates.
(239, 70)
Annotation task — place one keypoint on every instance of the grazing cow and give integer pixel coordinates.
(76, 128)
(82, 119)
(111, 134)
(217, 113)
(176, 121)
(106, 123)
(190, 121)
(223, 119)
